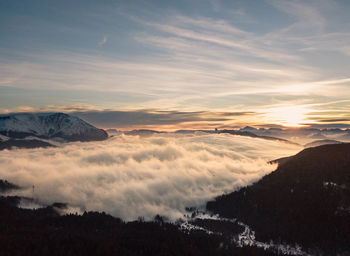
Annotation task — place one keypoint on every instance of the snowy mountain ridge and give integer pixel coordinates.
(49, 125)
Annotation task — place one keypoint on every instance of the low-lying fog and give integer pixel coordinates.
(132, 176)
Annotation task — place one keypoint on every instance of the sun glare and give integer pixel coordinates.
(292, 116)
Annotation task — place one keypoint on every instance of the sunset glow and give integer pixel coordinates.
(290, 116)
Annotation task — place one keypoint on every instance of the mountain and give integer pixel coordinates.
(317, 143)
(143, 132)
(113, 131)
(301, 135)
(24, 143)
(7, 186)
(249, 129)
(253, 135)
(305, 201)
(49, 126)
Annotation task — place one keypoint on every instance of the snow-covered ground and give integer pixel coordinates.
(246, 238)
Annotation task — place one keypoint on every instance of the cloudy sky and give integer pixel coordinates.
(198, 63)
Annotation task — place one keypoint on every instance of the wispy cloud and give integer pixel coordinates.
(191, 62)
(103, 41)
(306, 15)
(160, 119)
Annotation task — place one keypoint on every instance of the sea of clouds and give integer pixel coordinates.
(132, 176)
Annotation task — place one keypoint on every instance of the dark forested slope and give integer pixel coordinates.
(306, 200)
(45, 232)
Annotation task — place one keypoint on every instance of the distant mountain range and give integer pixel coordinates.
(32, 130)
(143, 132)
(146, 132)
(305, 201)
(253, 135)
(317, 143)
(297, 136)
(301, 135)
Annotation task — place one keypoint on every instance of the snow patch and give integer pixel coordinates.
(3, 138)
(246, 238)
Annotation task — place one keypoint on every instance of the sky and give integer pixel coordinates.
(178, 64)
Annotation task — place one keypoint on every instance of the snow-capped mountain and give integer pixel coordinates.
(49, 126)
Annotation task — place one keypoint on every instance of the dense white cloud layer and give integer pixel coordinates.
(131, 176)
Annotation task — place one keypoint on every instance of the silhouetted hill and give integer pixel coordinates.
(6, 186)
(143, 132)
(306, 200)
(32, 143)
(317, 143)
(253, 135)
